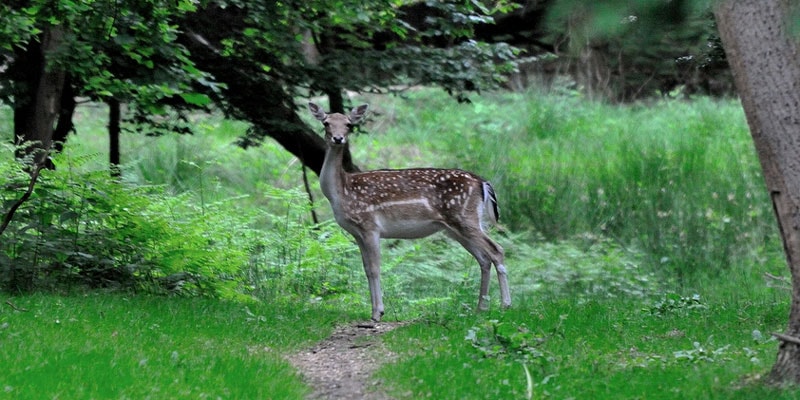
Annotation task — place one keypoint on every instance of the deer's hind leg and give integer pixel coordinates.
(486, 252)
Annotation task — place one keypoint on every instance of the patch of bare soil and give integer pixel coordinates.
(341, 366)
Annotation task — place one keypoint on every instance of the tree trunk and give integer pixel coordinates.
(250, 94)
(39, 107)
(114, 116)
(765, 60)
(65, 126)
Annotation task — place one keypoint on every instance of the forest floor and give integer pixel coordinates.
(341, 366)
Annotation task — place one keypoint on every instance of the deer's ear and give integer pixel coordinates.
(358, 113)
(317, 111)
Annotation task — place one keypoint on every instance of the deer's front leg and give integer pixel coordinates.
(483, 296)
(370, 247)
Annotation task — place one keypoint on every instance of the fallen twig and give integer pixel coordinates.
(783, 281)
(14, 306)
(787, 338)
(777, 278)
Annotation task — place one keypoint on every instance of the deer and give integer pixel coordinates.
(408, 204)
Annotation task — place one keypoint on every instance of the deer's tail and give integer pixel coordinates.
(491, 212)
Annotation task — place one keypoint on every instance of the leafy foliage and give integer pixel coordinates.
(675, 303)
(293, 259)
(112, 49)
(325, 46)
(84, 229)
(507, 340)
(701, 353)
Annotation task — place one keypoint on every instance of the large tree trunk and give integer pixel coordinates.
(765, 60)
(40, 105)
(250, 94)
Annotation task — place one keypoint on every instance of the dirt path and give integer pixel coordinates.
(341, 366)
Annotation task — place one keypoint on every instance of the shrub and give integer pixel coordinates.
(84, 229)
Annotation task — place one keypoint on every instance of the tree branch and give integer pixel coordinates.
(786, 338)
(260, 100)
(14, 306)
(10, 214)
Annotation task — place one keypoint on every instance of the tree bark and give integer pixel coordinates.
(765, 60)
(40, 105)
(64, 125)
(114, 118)
(251, 95)
(262, 102)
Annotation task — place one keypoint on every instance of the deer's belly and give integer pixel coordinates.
(407, 228)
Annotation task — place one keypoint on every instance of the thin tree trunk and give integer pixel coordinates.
(65, 126)
(765, 60)
(36, 113)
(335, 100)
(114, 114)
(314, 217)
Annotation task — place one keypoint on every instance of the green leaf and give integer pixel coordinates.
(197, 99)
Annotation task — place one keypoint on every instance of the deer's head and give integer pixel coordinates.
(337, 126)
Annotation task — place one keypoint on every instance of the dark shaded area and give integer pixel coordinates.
(249, 94)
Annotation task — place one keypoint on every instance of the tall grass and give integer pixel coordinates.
(676, 180)
(206, 164)
(674, 183)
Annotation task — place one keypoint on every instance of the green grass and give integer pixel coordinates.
(598, 349)
(113, 346)
(677, 181)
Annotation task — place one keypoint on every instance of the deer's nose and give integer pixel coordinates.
(338, 139)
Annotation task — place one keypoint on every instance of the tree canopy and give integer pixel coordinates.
(253, 58)
(250, 59)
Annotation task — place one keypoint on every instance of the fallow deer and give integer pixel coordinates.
(407, 204)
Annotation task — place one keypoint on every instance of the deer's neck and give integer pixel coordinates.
(332, 175)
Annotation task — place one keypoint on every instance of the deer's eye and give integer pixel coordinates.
(350, 127)
(326, 123)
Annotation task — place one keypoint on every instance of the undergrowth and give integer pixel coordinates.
(82, 229)
(654, 197)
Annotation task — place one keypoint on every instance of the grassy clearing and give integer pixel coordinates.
(114, 346)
